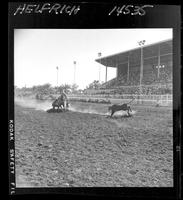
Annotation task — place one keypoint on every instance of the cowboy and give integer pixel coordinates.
(63, 98)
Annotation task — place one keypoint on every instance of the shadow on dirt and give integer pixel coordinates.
(55, 110)
(119, 117)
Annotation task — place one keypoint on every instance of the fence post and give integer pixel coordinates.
(153, 99)
(167, 99)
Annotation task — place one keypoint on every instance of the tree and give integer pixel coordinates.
(65, 87)
(74, 88)
(42, 89)
(94, 85)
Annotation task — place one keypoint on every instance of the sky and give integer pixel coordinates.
(38, 53)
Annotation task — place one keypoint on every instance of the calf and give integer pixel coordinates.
(114, 108)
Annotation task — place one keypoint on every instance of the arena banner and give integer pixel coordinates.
(94, 99)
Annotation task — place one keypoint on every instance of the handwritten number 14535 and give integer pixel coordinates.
(129, 9)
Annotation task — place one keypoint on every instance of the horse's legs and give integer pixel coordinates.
(130, 109)
(128, 112)
(62, 108)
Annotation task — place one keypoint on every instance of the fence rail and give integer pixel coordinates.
(164, 100)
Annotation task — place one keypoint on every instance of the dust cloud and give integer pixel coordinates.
(33, 103)
(44, 105)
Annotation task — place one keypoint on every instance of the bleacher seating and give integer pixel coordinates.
(151, 84)
(134, 77)
(149, 77)
(108, 84)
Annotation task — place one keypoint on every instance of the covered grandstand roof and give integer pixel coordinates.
(149, 51)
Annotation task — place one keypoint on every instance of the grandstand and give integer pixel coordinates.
(146, 70)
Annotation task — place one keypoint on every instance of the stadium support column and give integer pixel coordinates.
(128, 72)
(116, 70)
(158, 67)
(106, 74)
(141, 43)
(141, 70)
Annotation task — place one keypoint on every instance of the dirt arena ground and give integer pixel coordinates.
(75, 149)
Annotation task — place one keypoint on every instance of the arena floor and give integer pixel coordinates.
(81, 149)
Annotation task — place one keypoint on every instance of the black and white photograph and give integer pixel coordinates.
(93, 107)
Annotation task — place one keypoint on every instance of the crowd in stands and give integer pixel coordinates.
(135, 90)
(145, 89)
(149, 77)
(151, 83)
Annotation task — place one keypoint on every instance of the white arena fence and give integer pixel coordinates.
(162, 100)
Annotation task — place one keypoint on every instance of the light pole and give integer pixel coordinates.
(57, 75)
(74, 72)
(99, 55)
(158, 67)
(141, 44)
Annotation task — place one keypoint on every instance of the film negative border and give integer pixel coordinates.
(96, 15)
